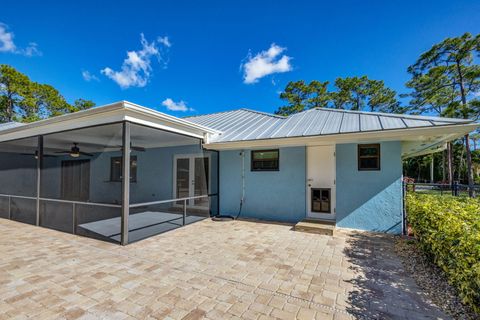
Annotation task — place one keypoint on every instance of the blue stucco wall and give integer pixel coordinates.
(370, 200)
(154, 175)
(270, 195)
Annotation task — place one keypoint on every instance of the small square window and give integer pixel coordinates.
(321, 200)
(116, 169)
(265, 160)
(368, 157)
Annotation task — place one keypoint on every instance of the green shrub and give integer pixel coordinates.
(448, 229)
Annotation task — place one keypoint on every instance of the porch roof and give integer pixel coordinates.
(115, 112)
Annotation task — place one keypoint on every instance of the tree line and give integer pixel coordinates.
(24, 100)
(444, 81)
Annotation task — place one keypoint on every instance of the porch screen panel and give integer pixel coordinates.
(78, 194)
(18, 179)
(173, 174)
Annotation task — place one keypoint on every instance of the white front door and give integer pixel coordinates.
(191, 178)
(321, 182)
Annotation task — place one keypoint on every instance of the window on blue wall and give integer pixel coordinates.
(369, 157)
(116, 169)
(265, 160)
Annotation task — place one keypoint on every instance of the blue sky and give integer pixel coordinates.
(219, 55)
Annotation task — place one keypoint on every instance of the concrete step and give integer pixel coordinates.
(325, 227)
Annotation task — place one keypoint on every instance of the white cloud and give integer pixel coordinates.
(31, 50)
(165, 41)
(6, 40)
(265, 63)
(136, 68)
(176, 106)
(87, 76)
(8, 45)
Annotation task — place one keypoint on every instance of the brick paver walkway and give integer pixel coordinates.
(213, 270)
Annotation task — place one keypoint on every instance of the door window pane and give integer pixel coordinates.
(183, 178)
(201, 180)
(320, 200)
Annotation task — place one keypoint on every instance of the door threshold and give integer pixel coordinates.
(316, 226)
(331, 221)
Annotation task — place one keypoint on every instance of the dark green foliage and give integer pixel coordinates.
(352, 93)
(446, 78)
(301, 96)
(24, 100)
(448, 230)
(446, 81)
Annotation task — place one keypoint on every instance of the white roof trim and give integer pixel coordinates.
(115, 112)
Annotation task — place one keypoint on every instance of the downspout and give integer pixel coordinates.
(242, 199)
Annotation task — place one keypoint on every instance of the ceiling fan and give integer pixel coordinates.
(75, 152)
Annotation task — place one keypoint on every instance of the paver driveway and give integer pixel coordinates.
(215, 270)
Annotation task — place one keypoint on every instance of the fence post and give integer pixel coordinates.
(184, 210)
(404, 212)
(455, 188)
(73, 217)
(10, 207)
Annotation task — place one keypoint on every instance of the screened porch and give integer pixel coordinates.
(74, 181)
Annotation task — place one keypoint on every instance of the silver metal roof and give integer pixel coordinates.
(245, 124)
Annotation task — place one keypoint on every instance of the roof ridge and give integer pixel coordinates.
(264, 113)
(233, 110)
(211, 113)
(397, 115)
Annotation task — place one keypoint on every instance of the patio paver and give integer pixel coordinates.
(211, 270)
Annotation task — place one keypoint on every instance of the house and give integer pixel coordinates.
(66, 173)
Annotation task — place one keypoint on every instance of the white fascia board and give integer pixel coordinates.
(136, 109)
(72, 121)
(413, 134)
(116, 112)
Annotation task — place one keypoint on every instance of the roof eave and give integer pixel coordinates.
(111, 113)
(405, 134)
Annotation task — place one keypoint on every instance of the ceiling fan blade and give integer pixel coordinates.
(141, 149)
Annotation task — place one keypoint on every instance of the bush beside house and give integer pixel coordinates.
(448, 230)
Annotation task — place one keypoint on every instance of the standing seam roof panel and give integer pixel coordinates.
(391, 123)
(267, 133)
(350, 122)
(226, 118)
(369, 123)
(212, 119)
(233, 134)
(441, 123)
(289, 125)
(228, 122)
(237, 123)
(299, 130)
(319, 122)
(333, 124)
(261, 129)
(417, 123)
